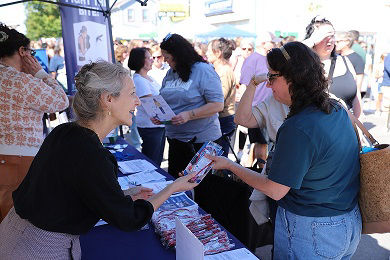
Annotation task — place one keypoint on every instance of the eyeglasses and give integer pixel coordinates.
(249, 49)
(156, 57)
(32, 51)
(272, 76)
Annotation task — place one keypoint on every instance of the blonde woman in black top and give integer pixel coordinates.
(72, 182)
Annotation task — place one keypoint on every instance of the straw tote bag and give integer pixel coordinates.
(374, 196)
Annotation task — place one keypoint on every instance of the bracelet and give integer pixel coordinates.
(192, 114)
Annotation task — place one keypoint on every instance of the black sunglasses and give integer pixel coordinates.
(32, 51)
(272, 76)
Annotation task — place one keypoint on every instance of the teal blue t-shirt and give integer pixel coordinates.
(317, 155)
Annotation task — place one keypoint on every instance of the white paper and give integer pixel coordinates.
(158, 108)
(125, 183)
(133, 166)
(242, 254)
(144, 177)
(157, 186)
(188, 246)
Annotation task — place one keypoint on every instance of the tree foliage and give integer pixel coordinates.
(43, 20)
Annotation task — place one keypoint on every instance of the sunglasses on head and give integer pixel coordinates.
(167, 37)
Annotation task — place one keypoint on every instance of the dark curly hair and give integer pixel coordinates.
(183, 54)
(11, 40)
(315, 22)
(225, 46)
(305, 75)
(137, 58)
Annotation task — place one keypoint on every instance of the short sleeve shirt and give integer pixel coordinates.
(144, 87)
(253, 65)
(204, 86)
(357, 62)
(317, 156)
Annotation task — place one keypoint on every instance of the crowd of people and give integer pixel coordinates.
(291, 98)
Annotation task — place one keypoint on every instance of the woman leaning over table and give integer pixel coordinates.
(193, 90)
(62, 197)
(26, 93)
(153, 136)
(314, 173)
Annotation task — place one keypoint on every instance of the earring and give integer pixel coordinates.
(109, 113)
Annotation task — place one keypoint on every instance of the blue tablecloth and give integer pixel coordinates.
(108, 242)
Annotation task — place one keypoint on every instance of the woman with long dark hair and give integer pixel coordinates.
(193, 90)
(314, 173)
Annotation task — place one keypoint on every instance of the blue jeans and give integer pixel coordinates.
(134, 138)
(301, 237)
(153, 143)
(227, 128)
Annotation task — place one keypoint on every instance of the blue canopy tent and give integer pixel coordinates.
(227, 31)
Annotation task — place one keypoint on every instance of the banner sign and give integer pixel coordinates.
(86, 36)
(216, 7)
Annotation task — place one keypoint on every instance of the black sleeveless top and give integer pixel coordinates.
(344, 86)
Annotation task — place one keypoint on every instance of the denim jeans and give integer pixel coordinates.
(134, 138)
(227, 128)
(301, 237)
(153, 143)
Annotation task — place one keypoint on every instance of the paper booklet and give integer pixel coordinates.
(200, 164)
(178, 201)
(158, 108)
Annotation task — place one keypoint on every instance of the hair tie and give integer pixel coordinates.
(285, 53)
(3, 36)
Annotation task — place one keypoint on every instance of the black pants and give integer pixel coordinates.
(179, 155)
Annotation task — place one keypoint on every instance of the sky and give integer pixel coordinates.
(13, 15)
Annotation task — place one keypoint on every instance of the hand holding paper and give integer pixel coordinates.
(156, 107)
(201, 165)
(181, 118)
(219, 162)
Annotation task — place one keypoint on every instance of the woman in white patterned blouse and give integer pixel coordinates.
(26, 92)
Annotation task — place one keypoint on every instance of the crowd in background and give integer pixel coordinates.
(369, 74)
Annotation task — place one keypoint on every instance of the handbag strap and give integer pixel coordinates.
(356, 123)
(331, 69)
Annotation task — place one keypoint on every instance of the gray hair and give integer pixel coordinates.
(92, 81)
(348, 36)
